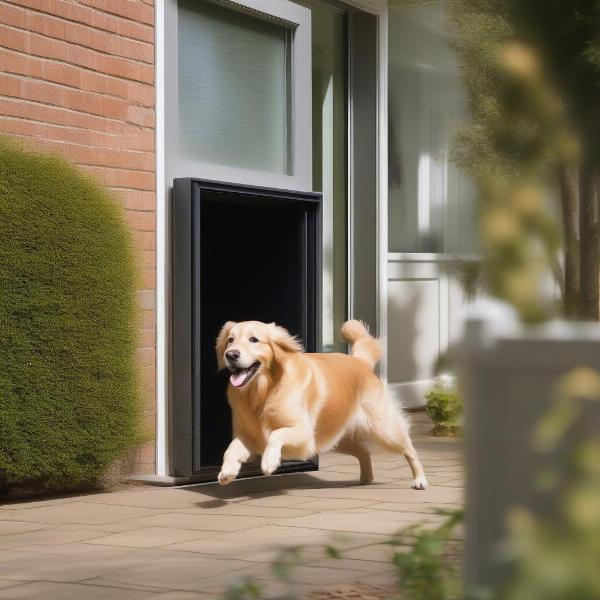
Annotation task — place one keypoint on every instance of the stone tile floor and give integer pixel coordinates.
(192, 542)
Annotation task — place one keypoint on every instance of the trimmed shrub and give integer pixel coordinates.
(69, 400)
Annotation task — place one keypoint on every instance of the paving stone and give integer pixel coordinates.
(181, 595)
(203, 522)
(49, 590)
(42, 503)
(147, 537)
(177, 572)
(6, 583)
(48, 536)
(249, 510)
(35, 566)
(76, 512)
(157, 498)
(275, 500)
(318, 504)
(12, 527)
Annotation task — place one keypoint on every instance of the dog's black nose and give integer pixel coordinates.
(232, 354)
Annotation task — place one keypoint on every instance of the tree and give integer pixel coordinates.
(531, 69)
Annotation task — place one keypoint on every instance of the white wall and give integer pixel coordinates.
(425, 305)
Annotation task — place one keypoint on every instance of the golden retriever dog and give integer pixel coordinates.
(288, 404)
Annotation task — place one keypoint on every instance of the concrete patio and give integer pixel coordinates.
(192, 542)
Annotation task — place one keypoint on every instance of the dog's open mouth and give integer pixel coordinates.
(240, 377)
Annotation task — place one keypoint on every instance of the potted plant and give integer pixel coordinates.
(444, 406)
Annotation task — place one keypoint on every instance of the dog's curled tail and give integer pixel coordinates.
(364, 345)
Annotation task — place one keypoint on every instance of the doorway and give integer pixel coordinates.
(243, 253)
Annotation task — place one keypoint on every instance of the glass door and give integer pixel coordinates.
(431, 208)
(330, 158)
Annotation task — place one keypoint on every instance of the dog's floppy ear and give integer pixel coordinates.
(283, 342)
(221, 343)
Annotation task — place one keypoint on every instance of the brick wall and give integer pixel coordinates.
(77, 77)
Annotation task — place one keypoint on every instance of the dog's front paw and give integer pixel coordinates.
(420, 483)
(226, 475)
(270, 461)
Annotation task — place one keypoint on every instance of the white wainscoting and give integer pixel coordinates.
(424, 316)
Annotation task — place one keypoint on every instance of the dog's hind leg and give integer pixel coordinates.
(391, 430)
(354, 447)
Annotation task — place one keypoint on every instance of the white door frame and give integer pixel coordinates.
(163, 254)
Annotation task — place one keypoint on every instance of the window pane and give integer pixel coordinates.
(233, 88)
(431, 205)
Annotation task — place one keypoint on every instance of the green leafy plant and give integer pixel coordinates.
(445, 406)
(531, 73)
(69, 399)
(425, 570)
(421, 553)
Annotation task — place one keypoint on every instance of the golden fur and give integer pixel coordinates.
(296, 404)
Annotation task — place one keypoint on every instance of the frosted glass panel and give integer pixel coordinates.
(233, 88)
(431, 203)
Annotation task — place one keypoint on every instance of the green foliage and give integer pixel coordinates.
(245, 589)
(424, 570)
(68, 385)
(420, 554)
(444, 404)
(517, 136)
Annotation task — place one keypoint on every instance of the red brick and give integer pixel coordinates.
(147, 318)
(145, 468)
(146, 299)
(148, 258)
(144, 221)
(43, 92)
(82, 155)
(145, 356)
(10, 86)
(144, 454)
(130, 9)
(38, 45)
(137, 200)
(71, 11)
(83, 137)
(137, 180)
(148, 278)
(144, 240)
(141, 116)
(139, 138)
(147, 339)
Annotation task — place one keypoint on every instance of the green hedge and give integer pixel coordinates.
(69, 400)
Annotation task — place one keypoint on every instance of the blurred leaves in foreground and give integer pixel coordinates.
(425, 568)
(531, 69)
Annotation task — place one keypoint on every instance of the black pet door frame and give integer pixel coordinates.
(239, 253)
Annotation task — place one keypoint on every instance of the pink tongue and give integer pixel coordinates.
(237, 379)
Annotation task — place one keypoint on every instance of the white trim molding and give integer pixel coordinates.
(162, 252)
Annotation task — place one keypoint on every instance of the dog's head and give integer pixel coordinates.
(252, 347)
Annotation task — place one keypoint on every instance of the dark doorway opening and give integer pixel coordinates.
(240, 253)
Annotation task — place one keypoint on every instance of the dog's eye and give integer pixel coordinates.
(229, 340)
(253, 340)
